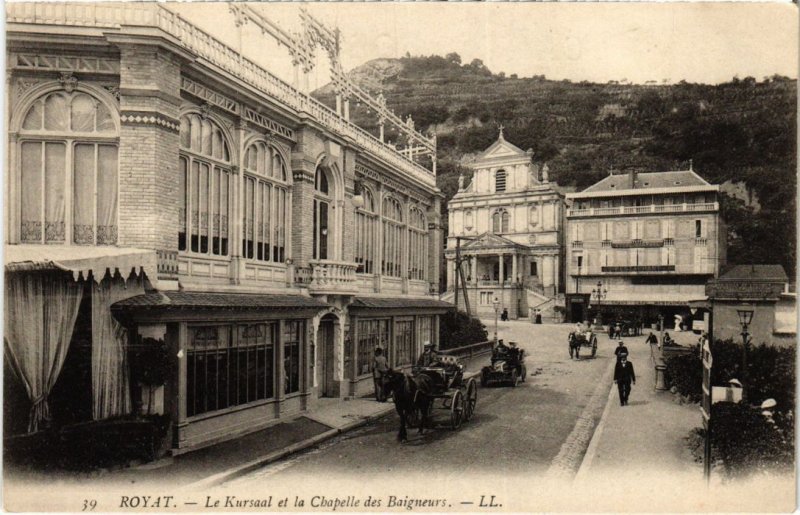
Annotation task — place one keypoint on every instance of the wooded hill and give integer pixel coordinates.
(742, 132)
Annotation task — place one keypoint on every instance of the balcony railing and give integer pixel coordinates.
(193, 38)
(639, 268)
(637, 244)
(703, 269)
(577, 244)
(639, 210)
(336, 277)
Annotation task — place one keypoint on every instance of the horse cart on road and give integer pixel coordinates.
(450, 390)
(585, 339)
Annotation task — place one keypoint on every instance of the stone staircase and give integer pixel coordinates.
(537, 299)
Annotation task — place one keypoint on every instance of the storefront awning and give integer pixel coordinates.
(81, 261)
(178, 304)
(655, 299)
(400, 303)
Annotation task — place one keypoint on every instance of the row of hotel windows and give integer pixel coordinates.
(639, 229)
(69, 191)
(410, 333)
(231, 365)
(643, 257)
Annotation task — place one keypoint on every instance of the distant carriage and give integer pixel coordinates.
(577, 340)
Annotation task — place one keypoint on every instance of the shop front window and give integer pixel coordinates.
(229, 366)
(292, 340)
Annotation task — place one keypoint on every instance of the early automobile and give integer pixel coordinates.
(507, 366)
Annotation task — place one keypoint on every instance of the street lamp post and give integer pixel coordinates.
(496, 303)
(745, 317)
(599, 294)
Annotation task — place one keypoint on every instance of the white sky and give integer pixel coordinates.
(706, 43)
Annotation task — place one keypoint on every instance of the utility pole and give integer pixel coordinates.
(460, 274)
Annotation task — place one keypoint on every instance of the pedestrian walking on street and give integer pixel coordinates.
(624, 376)
(379, 368)
(621, 351)
(652, 339)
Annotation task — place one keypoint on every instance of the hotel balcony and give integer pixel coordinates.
(333, 277)
(637, 244)
(704, 269)
(642, 210)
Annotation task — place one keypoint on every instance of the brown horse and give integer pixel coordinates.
(412, 398)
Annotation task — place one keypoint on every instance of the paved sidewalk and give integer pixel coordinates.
(224, 461)
(648, 436)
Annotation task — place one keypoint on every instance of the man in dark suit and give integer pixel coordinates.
(624, 376)
(621, 350)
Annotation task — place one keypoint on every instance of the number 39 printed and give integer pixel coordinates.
(89, 504)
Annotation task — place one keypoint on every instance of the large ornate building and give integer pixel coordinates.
(648, 242)
(189, 235)
(507, 223)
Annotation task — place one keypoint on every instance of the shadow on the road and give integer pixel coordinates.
(638, 403)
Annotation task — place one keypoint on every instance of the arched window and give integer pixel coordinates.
(500, 180)
(322, 208)
(266, 204)
(366, 230)
(205, 183)
(68, 171)
(500, 221)
(417, 244)
(392, 237)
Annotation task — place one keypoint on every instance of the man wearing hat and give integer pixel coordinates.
(621, 350)
(429, 356)
(624, 376)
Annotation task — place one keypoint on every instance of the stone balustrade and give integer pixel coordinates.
(335, 277)
(638, 210)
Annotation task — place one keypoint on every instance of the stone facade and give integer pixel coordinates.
(187, 115)
(651, 240)
(509, 221)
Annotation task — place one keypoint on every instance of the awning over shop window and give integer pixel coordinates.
(637, 299)
(399, 303)
(178, 304)
(81, 261)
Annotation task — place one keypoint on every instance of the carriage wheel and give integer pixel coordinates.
(594, 345)
(514, 378)
(456, 409)
(524, 372)
(472, 399)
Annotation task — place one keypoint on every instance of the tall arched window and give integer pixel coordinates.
(68, 171)
(417, 244)
(366, 229)
(392, 237)
(266, 204)
(322, 207)
(500, 180)
(500, 221)
(205, 182)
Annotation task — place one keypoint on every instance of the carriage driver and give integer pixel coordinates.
(429, 356)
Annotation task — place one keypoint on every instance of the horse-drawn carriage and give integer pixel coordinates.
(579, 339)
(439, 386)
(507, 366)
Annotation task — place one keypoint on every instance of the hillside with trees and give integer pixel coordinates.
(741, 132)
